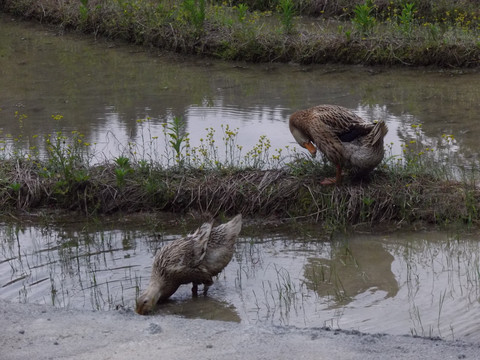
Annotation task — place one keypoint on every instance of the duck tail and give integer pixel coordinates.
(378, 133)
(234, 226)
(229, 230)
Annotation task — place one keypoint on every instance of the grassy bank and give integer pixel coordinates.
(418, 32)
(255, 193)
(225, 179)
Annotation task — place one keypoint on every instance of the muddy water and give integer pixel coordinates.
(102, 89)
(421, 283)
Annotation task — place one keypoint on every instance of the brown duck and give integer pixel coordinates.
(194, 259)
(342, 136)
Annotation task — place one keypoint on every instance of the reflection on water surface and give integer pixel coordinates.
(423, 283)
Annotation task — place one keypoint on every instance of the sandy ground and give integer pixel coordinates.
(30, 331)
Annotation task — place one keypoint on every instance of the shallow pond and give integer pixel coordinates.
(421, 283)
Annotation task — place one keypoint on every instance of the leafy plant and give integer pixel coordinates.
(406, 17)
(194, 11)
(66, 156)
(123, 168)
(178, 137)
(83, 9)
(123, 162)
(363, 19)
(287, 12)
(16, 187)
(241, 10)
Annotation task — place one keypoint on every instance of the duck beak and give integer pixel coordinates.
(310, 147)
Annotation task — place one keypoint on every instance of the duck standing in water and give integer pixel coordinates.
(194, 259)
(345, 138)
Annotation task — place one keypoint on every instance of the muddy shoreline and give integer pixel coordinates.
(43, 332)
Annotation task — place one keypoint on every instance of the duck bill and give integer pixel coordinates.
(310, 147)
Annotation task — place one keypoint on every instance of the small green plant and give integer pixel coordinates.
(194, 12)
(364, 19)
(15, 187)
(67, 156)
(406, 17)
(348, 35)
(122, 169)
(242, 11)
(178, 138)
(123, 162)
(287, 12)
(83, 10)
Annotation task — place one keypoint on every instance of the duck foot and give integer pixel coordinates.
(337, 180)
(328, 181)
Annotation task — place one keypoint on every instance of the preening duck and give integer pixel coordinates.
(343, 137)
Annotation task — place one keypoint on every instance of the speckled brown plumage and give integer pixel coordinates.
(345, 138)
(194, 259)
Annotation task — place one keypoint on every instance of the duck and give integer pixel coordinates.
(195, 259)
(346, 140)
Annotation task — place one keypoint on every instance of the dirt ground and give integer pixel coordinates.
(29, 331)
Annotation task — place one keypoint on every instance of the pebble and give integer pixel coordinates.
(154, 329)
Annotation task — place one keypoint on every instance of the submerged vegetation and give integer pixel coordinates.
(60, 171)
(416, 32)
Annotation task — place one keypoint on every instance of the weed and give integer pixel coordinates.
(15, 187)
(406, 17)
(242, 11)
(287, 12)
(194, 12)
(67, 157)
(178, 137)
(364, 19)
(83, 10)
(122, 169)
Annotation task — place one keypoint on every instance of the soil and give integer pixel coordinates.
(29, 331)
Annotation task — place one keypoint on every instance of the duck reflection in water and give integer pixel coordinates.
(354, 268)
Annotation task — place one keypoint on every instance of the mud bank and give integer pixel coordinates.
(42, 332)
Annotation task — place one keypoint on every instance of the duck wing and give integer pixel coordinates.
(342, 122)
(221, 245)
(183, 255)
(200, 242)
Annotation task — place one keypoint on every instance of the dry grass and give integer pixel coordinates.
(254, 193)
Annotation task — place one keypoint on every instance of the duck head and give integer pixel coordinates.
(156, 291)
(303, 140)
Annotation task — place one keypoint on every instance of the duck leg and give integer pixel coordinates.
(206, 285)
(195, 290)
(205, 289)
(336, 180)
